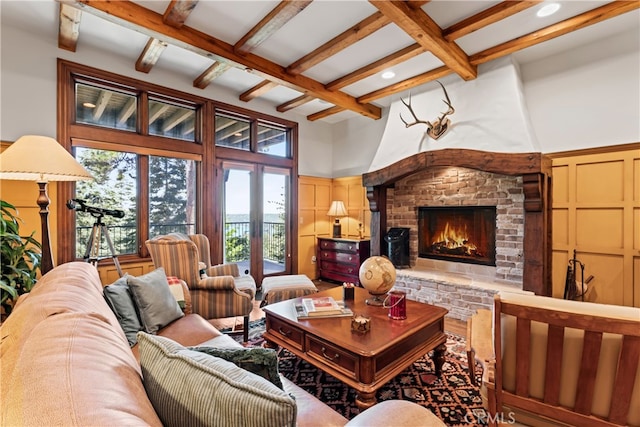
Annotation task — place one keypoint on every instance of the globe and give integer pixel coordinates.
(377, 275)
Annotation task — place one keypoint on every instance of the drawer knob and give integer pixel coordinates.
(283, 332)
(326, 356)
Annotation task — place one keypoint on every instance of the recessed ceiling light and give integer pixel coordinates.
(548, 9)
(388, 75)
(237, 134)
(89, 105)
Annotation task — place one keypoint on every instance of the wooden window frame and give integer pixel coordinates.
(203, 149)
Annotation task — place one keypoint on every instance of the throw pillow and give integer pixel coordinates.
(189, 388)
(175, 285)
(260, 361)
(121, 302)
(154, 299)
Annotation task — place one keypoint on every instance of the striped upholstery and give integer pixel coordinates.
(191, 388)
(280, 288)
(211, 297)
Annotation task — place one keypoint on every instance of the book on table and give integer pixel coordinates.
(321, 307)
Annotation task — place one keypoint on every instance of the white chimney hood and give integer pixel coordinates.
(490, 115)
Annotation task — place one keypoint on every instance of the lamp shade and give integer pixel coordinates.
(337, 209)
(40, 159)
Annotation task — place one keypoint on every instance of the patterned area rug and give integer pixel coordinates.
(451, 397)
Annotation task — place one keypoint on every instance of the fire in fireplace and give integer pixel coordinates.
(460, 234)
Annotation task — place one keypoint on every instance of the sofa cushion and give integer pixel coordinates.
(155, 302)
(120, 300)
(189, 387)
(260, 361)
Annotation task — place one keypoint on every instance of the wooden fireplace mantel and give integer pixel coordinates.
(535, 169)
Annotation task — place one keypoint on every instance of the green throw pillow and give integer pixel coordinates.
(120, 300)
(156, 304)
(260, 361)
(191, 388)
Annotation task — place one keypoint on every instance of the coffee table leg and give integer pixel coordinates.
(438, 358)
(365, 400)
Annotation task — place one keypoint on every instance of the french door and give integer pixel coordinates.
(256, 218)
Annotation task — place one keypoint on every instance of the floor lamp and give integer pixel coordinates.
(41, 159)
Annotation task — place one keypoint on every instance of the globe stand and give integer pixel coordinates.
(376, 300)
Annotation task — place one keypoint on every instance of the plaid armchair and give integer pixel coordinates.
(220, 291)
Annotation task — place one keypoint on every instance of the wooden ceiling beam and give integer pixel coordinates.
(178, 11)
(69, 27)
(602, 13)
(272, 22)
(417, 24)
(487, 17)
(258, 90)
(325, 113)
(150, 55)
(175, 15)
(375, 67)
(138, 18)
(210, 74)
(290, 105)
(406, 84)
(362, 29)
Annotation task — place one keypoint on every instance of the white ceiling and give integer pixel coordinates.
(318, 23)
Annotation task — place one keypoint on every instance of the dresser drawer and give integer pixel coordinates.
(289, 333)
(351, 269)
(338, 359)
(334, 245)
(339, 277)
(339, 257)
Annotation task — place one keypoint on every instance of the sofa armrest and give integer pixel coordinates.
(230, 269)
(221, 283)
(396, 413)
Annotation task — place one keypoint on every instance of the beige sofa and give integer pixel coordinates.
(65, 360)
(559, 362)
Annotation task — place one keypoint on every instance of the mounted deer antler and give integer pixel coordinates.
(438, 128)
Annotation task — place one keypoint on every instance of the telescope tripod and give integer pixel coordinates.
(93, 245)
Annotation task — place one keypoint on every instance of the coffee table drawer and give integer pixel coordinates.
(293, 335)
(335, 357)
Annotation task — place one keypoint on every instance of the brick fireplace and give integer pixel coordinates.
(458, 190)
(517, 184)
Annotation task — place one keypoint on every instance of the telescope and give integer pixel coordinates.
(81, 206)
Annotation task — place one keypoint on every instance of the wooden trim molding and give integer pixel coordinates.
(535, 169)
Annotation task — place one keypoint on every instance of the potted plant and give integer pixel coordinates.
(20, 258)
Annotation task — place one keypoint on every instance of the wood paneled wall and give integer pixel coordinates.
(596, 211)
(314, 198)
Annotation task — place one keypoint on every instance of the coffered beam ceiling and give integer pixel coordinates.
(170, 29)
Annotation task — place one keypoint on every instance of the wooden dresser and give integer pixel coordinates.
(339, 260)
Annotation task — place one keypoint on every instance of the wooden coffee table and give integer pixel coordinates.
(367, 361)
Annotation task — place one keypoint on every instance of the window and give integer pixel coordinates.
(172, 196)
(233, 132)
(104, 107)
(172, 121)
(113, 188)
(273, 140)
(155, 155)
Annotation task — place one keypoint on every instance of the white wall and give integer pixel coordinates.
(28, 79)
(589, 97)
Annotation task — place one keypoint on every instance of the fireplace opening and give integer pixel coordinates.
(460, 234)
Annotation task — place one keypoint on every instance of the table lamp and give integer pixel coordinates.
(41, 159)
(337, 210)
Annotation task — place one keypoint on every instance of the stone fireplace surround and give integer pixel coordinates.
(518, 185)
